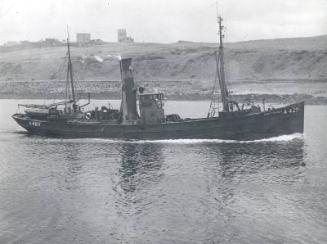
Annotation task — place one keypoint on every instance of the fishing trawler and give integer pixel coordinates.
(233, 122)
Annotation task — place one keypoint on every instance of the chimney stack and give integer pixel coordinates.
(128, 102)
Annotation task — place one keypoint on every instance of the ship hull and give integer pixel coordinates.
(246, 127)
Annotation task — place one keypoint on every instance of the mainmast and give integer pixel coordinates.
(221, 68)
(70, 71)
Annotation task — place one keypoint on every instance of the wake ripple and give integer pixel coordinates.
(170, 141)
(200, 141)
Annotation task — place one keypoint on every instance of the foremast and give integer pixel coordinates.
(70, 77)
(221, 67)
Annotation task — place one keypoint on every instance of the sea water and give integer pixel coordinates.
(88, 190)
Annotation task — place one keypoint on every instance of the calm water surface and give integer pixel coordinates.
(170, 191)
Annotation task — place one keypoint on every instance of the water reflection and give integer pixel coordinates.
(140, 165)
(232, 166)
(138, 175)
(250, 158)
(72, 154)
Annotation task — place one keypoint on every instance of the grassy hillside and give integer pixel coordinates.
(180, 70)
(301, 58)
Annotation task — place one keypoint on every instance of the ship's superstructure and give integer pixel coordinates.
(151, 108)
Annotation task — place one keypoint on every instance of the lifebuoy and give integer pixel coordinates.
(88, 116)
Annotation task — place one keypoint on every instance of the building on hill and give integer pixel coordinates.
(122, 36)
(26, 43)
(11, 44)
(52, 42)
(97, 42)
(83, 38)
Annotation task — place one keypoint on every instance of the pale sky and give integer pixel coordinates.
(162, 20)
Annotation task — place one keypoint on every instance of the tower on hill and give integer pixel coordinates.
(122, 36)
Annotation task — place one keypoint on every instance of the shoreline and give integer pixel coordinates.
(242, 98)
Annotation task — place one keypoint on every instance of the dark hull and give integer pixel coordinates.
(246, 127)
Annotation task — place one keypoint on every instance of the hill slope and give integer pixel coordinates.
(262, 60)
